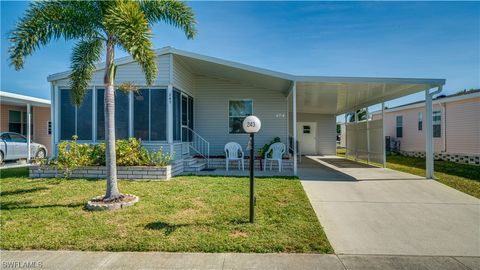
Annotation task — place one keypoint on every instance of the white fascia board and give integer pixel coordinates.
(12, 97)
(386, 80)
(435, 102)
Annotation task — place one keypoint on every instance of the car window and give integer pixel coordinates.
(18, 138)
(6, 138)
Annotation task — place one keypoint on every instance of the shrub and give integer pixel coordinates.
(264, 149)
(131, 153)
(72, 155)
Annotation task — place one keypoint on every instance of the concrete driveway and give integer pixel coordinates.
(380, 211)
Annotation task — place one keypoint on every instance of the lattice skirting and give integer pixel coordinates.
(458, 158)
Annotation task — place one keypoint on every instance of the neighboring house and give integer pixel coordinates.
(197, 105)
(14, 117)
(456, 127)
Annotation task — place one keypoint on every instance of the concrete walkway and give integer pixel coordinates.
(381, 211)
(81, 260)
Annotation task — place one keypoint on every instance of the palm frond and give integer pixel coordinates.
(173, 12)
(128, 24)
(85, 54)
(46, 20)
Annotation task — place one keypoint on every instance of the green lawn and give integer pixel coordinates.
(189, 214)
(465, 178)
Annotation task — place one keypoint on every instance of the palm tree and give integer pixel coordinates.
(99, 26)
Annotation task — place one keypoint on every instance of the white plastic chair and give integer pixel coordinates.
(277, 149)
(233, 151)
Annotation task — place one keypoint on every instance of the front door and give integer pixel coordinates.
(307, 137)
(187, 118)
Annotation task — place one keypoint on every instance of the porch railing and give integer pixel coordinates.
(198, 144)
(291, 150)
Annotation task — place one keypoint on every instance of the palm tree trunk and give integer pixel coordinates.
(110, 155)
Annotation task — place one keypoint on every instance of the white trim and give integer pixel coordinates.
(294, 120)
(7, 96)
(29, 130)
(434, 102)
(267, 72)
(94, 114)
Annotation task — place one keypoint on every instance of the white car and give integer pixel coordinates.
(13, 146)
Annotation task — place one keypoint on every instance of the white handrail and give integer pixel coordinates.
(199, 145)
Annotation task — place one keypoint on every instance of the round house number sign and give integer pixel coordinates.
(251, 124)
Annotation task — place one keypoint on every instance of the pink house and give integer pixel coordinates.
(456, 127)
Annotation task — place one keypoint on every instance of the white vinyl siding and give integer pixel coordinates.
(182, 78)
(132, 73)
(326, 132)
(211, 112)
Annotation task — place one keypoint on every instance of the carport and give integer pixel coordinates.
(319, 99)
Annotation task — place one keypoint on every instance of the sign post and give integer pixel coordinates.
(252, 125)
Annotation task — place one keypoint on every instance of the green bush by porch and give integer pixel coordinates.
(190, 214)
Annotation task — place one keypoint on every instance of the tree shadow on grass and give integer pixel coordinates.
(28, 205)
(21, 191)
(171, 228)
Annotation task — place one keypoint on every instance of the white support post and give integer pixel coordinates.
(346, 140)
(53, 101)
(428, 135)
(429, 132)
(170, 117)
(384, 150)
(29, 130)
(294, 123)
(368, 138)
(356, 139)
(130, 114)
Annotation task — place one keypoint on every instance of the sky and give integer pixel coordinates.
(378, 39)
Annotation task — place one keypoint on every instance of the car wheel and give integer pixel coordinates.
(41, 153)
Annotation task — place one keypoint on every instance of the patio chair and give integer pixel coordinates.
(233, 151)
(277, 149)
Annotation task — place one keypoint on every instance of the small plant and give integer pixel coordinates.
(131, 153)
(264, 149)
(72, 155)
(158, 158)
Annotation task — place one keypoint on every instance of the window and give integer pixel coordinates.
(420, 120)
(150, 114)
(75, 120)
(399, 125)
(306, 129)
(17, 138)
(238, 110)
(49, 128)
(176, 116)
(437, 124)
(6, 137)
(84, 117)
(158, 111)
(121, 114)
(15, 121)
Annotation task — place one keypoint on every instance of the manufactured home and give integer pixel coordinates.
(197, 104)
(20, 113)
(456, 127)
